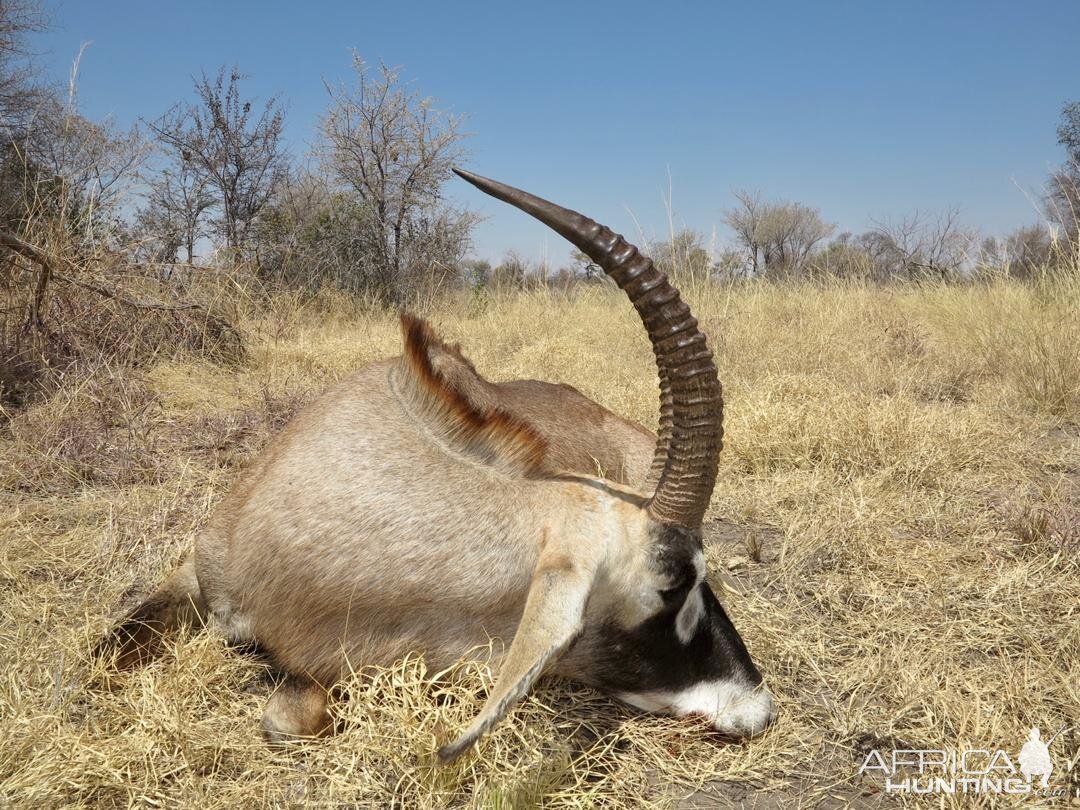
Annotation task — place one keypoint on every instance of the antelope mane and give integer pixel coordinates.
(439, 389)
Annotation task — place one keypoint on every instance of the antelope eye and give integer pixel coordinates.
(669, 594)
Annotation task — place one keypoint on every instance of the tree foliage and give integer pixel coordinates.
(67, 170)
(390, 151)
(1022, 254)
(219, 146)
(20, 86)
(1063, 195)
(684, 257)
(778, 237)
(173, 219)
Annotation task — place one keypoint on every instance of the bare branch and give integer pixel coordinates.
(50, 269)
(225, 149)
(390, 151)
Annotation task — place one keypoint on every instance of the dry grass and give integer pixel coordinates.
(896, 532)
(60, 318)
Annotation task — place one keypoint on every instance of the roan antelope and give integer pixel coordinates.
(415, 507)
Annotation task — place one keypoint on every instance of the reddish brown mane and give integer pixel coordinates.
(493, 435)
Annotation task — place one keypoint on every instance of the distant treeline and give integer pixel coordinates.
(209, 183)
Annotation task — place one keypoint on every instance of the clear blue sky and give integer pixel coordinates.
(864, 109)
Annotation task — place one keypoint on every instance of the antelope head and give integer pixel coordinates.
(619, 597)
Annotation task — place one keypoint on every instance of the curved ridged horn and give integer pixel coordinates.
(691, 404)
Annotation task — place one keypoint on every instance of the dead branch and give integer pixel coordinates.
(49, 270)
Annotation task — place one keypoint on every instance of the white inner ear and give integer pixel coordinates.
(693, 608)
(690, 616)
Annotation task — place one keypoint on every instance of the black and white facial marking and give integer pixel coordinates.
(686, 658)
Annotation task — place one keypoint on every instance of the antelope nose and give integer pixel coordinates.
(768, 714)
(748, 715)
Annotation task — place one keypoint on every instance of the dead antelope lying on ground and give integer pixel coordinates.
(415, 507)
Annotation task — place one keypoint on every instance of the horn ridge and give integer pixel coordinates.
(690, 432)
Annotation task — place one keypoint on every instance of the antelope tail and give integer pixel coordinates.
(138, 637)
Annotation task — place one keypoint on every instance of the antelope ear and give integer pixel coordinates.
(551, 621)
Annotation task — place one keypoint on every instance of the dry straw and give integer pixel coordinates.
(895, 531)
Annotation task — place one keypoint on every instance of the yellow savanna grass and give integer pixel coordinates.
(895, 532)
